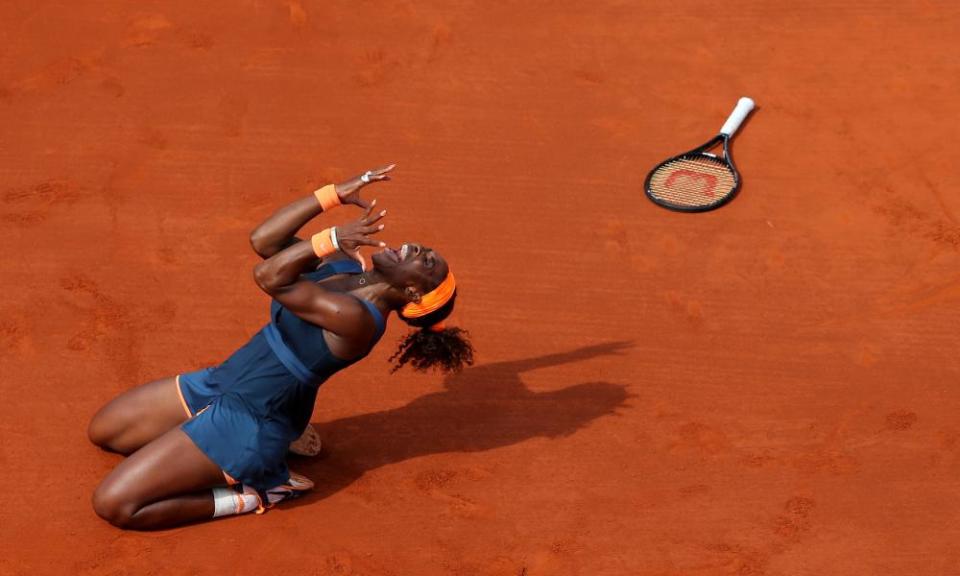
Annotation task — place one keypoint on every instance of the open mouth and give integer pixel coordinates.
(400, 255)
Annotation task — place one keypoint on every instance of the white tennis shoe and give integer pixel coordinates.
(297, 486)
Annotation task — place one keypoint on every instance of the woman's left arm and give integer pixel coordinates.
(276, 233)
(280, 277)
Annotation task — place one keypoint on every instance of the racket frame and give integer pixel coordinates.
(699, 151)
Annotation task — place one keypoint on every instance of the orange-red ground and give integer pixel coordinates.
(767, 389)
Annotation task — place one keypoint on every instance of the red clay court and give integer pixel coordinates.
(766, 389)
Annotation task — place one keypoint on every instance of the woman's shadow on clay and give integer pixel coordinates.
(482, 408)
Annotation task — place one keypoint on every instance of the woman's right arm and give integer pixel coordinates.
(277, 232)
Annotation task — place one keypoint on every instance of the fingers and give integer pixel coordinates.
(367, 230)
(355, 254)
(367, 221)
(367, 225)
(356, 231)
(371, 242)
(355, 251)
(375, 218)
(379, 174)
(369, 209)
(377, 178)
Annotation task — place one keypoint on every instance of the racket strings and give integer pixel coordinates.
(693, 181)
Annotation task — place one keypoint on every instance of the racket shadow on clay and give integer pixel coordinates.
(483, 408)
(698, 180)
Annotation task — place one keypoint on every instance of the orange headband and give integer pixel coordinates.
(433, 300)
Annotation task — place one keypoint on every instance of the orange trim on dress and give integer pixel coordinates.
(183, 401)
(230, 479)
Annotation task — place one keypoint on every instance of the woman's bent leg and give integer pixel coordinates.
(166, 483)
(138, 416)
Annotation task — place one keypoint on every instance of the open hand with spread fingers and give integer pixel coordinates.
(353, 235)
(349, 191)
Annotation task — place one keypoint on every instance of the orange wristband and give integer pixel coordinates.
(322, 243)
(327, 197)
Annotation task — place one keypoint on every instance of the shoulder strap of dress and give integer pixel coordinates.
(334, 268)
(327, 270)
(353, 267)
(377, 317)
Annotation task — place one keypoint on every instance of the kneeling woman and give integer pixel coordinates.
(214, 442)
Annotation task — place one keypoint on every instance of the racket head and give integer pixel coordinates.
(695, 181)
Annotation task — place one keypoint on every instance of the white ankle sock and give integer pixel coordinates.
(229, 500)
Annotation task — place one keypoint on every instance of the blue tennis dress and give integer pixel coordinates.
(246, 411)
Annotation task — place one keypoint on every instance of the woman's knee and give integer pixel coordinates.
(103, 431)
(136, 417)
(97, 430)
(111, 504)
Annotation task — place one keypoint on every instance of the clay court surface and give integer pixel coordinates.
(766, 389)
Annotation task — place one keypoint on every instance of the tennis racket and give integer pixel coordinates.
(697, 181)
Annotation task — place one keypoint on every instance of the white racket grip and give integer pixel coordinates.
(744, 106)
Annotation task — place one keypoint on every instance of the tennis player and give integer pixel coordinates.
(213, 442)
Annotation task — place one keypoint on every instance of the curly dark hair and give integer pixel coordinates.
(447, 350)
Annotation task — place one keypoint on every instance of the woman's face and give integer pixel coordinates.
(411, 265)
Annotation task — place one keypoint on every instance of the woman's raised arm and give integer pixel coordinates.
(277, 232)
